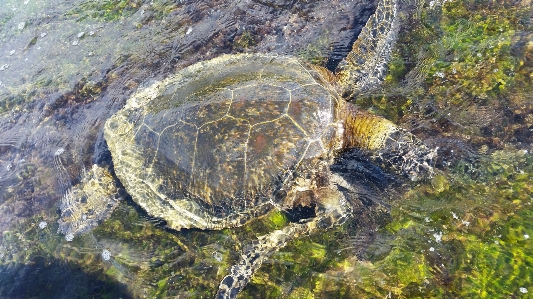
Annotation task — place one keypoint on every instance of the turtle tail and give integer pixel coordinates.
(365, 65)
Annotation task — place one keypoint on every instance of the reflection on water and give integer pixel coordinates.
(461, 80)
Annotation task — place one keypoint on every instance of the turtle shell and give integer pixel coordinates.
(223, 141)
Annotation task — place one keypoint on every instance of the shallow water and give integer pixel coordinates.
(460, 79)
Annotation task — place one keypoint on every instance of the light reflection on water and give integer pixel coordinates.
(65, 67)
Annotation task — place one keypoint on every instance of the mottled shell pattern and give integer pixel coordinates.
(241, 131)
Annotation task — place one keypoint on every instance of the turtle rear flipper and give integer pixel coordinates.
(365, 65)
(253, 256)
(332, 210)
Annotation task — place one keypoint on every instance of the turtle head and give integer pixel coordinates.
(364, 130)
(392, 146)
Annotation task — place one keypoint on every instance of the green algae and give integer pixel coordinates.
(466, 238)
(458, 56)
(108, 11)
(278, 220)
(244, 41)
(478, 60)
(462, 234)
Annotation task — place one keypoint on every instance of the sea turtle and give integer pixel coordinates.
(227, 140)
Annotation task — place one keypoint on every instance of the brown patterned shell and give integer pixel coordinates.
(221, 141)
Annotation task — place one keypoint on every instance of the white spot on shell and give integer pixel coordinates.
(189, 30)
(21, 25)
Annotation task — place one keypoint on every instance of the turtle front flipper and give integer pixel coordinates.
(88, 203)
(332, 210)
(365, 65)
